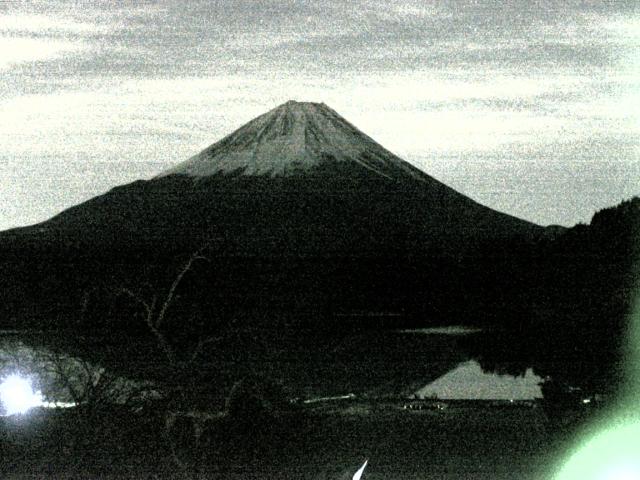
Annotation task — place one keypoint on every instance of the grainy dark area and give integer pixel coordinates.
(470, 442)
(297, 300)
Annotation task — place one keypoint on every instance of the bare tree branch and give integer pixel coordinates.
(200, 346)
(148, 308)
(174, 286)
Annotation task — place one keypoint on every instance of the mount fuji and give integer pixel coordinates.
(297, 209)
(293, 139)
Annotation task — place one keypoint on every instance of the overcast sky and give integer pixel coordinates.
(530, 107)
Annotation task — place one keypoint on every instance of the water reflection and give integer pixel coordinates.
(469, 381)
(446, 330)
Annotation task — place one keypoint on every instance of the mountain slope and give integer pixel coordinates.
(297, 211)
(298, 179)
(291, 140)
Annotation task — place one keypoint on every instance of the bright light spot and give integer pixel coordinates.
(623, 472)
(586, 400)
(59, 404)
(611, 455)
(17, 396)
(358, 474)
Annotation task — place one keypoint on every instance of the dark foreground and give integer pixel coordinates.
(328, 441)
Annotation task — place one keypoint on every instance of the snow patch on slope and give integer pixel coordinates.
(291, 139)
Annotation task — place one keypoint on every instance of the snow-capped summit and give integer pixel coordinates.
(292, 139)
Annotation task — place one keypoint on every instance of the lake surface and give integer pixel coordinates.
(469, 381)
(378, 362)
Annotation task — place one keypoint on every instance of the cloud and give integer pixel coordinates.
(26, 38)
(413, 115)
(45, 25)
(18, 50)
